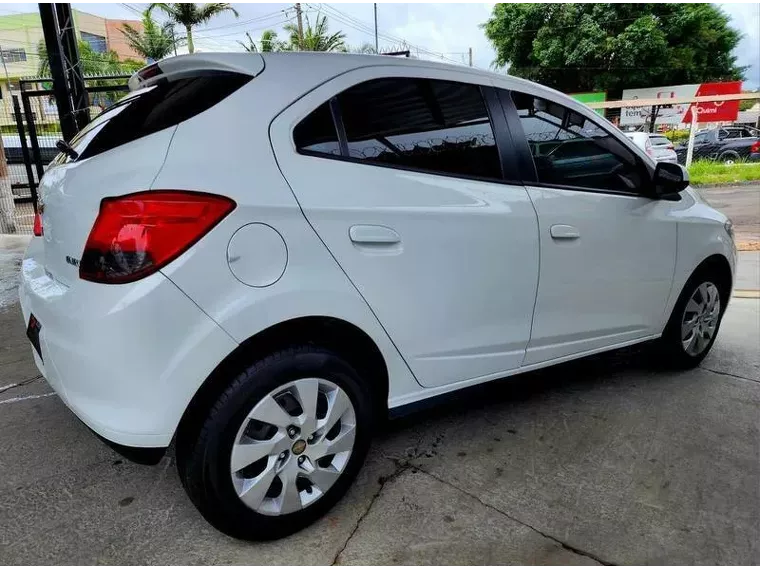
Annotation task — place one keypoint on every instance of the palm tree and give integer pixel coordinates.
(191, 15)
(268, 41)
(154, 42)
(315, 38)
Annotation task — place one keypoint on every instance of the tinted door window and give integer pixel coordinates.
(438, 126)
(570, 150)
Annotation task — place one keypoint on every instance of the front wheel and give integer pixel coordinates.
(281, 445)
(694, 323)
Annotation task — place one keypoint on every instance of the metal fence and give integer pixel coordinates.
(31, 128)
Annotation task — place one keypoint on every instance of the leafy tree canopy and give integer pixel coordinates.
(610, 47)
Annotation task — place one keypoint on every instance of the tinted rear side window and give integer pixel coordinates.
(153, 109)
(439, 126)
(316, 133)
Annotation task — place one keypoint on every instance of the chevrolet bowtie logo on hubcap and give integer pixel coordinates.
(299, 446)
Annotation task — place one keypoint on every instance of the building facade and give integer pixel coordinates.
(21, 36)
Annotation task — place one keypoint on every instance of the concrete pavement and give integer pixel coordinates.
(748, 271)
(606, 460)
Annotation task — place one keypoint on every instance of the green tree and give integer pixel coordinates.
(269, 42)
(315, 38)
(92, 62)
(190, 15)
(154, 42)
(609, 47)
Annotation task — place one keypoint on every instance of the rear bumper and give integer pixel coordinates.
(126, 359)
(754, 157)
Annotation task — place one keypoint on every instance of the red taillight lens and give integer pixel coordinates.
(669, 147)
(37, 225)
(137, 234)
(755, 147)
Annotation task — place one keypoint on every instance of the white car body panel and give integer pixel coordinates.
(71, 195)
(121, 356)
(622, 239)
(453, 235)
(454, 300)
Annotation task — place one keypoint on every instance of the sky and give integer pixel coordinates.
(443, 32)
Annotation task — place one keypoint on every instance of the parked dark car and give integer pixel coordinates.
(726, 144)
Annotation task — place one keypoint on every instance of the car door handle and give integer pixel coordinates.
(564, 232)
(373, 235)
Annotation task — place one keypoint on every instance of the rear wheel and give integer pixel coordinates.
(694, 323)
(281, 445)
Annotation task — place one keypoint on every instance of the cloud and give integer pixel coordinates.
(746, 19)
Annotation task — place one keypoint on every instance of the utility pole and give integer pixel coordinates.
(470, 50)
(377, 49)
(300, 25)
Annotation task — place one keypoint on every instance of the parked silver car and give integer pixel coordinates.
(655, 145)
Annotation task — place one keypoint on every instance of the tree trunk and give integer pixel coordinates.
(7, 205)
(190, 46)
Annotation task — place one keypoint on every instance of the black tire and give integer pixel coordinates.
(205, 470)
(669, 351)
(729, 155)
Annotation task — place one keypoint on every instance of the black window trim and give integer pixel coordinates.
(503, 141)
(525, 158)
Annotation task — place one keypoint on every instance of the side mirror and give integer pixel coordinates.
(669, 180)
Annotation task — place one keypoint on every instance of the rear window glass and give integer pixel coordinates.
(659, 140)
(153, 109)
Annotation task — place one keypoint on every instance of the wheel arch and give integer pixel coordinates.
(717, 264)
(338, 335)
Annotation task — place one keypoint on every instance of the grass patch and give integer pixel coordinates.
(44, 128)
(708, 172)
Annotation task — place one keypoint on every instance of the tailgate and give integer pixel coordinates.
(123, 149)
(70, 195)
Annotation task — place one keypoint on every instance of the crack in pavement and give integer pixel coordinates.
(400, 469)
(561, 543)
(733, 375)
(4, 388)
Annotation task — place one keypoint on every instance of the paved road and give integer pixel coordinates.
(604, 460)
(742, 205)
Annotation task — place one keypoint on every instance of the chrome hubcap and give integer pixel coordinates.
(293, 446)
(700, 319)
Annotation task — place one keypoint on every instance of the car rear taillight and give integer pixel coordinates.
(137, 234)
(755, 148)
(669, 146)
(37, 228)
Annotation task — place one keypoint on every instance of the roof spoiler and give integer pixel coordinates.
(184, 66)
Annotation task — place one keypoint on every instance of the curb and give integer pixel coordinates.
(746, 293)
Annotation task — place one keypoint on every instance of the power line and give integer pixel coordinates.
(369, 30)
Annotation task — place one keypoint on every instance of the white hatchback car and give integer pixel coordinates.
(258, 256)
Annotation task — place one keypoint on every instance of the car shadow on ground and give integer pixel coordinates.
(584, 374)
